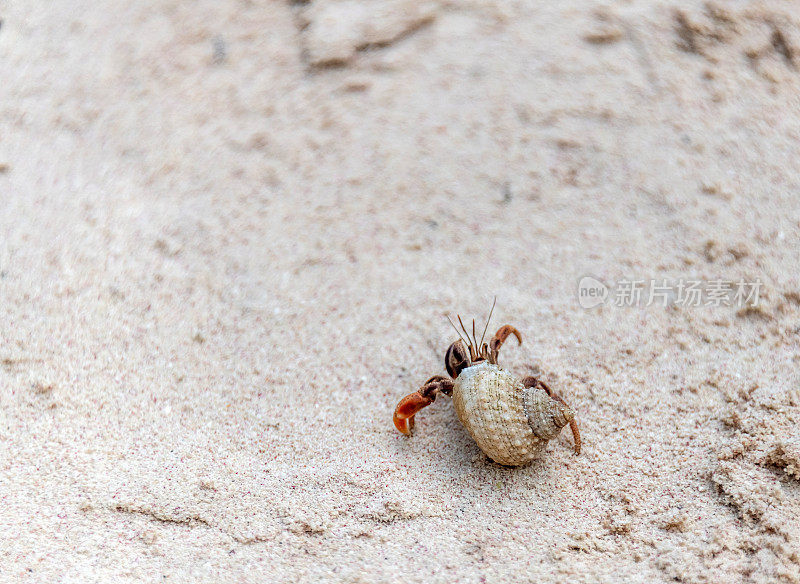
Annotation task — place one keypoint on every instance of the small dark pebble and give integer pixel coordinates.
(507, 194)
(219, 50)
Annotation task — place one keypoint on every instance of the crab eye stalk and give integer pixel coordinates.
(456, 358)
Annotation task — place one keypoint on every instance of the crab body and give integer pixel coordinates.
(510, 419)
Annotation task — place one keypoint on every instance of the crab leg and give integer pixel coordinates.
(411, 404)
(499, 338)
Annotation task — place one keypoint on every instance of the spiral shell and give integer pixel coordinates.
(509, 422)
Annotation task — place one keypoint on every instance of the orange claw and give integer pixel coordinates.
(506, 331)
(407, 408)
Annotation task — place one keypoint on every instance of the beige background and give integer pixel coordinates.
(230, 231)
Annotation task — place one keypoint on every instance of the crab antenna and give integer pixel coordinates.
(469, 343)
(454, 327)
(488, 320)
(474, 338)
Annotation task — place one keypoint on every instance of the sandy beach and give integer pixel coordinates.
(230, 234)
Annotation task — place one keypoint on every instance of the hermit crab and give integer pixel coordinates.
(510, 419)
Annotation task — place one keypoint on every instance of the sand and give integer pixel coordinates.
(230, 233)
